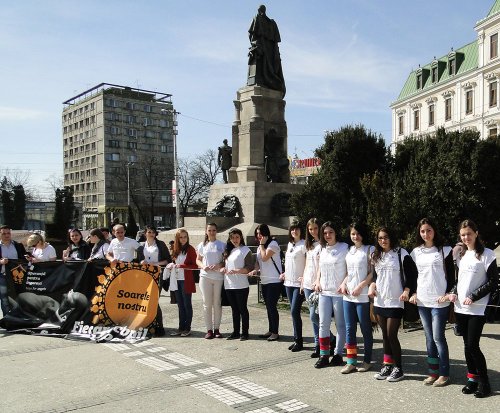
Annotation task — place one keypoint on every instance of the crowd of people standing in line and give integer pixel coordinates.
(336, 280)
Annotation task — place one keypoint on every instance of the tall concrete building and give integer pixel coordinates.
(456, 91)
(118, 145)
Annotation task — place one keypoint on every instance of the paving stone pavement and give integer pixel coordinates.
(188, 374)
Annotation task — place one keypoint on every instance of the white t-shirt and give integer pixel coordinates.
(236, 260)
(332, 268)
(471, 276)
(357, 260)
(124, 250)
(44, 254)
(389, 281)
(295, 262)
(211, 253)
(150, 253)
(431, 281)
(268, 272)
(101, 252)
(311, 268)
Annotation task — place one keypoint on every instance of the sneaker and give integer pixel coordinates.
(348, 368)
(186, 333)
(364, 367)
(217, 333)
(441, 381)
(429, 381)
(396, 375)
(483, 390)
(336, 361)
(322, 362)
(209, 335)
(470, 387)
(176, 333)
(273, 337)
(384, 373)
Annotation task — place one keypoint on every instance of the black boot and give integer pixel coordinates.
(333, 343)
(322, 362)
(315, 353)
(470, 387)
(483, 389)
(298, 345)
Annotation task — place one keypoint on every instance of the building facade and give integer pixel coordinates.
(458, 91)
(118, 148)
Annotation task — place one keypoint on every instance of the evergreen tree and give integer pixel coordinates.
(19, 204)
(8, 208)
(132, 227)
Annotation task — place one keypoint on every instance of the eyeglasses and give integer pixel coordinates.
(383, 238)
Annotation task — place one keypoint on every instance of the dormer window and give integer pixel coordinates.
(452, 66)
(419, 81)
(494, 46)
(435, 74)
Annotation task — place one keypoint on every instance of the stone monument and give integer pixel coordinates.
(260, 167)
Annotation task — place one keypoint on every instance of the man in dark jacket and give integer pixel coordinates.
(12, 250)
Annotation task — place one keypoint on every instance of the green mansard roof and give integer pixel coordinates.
(468, 63)
(495, 8)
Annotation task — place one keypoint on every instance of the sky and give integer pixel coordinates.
(344, 62)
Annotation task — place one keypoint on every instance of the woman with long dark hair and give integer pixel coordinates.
(153, 251)
(269, 264)
(436, 278)
(182, 280)
(239, 262)
(331, 273)
(295, 262)
(356, 301)
(100, 245)
(210, 261)
(77, 249)
(394, 280)
(477, 278)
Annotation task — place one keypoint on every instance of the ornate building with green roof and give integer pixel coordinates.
(456, 91)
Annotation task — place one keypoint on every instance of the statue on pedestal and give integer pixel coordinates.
(225, 159)
(264, 61)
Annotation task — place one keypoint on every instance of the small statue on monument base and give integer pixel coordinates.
(225, 159)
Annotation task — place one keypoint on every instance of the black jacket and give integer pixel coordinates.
(21, 251)
(163, 252)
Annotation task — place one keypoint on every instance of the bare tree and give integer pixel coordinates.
(196, 175)
(55, 181)
(18, 177)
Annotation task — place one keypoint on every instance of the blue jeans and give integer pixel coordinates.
(4, 297)
(313, 317)
(434, 322)
(352, 313)
(296, 299)
(271, 293)
(185, 307)
(326, 305)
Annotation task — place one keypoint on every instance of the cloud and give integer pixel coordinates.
(16, 114)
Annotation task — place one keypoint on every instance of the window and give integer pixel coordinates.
(452, 66)
(148, 122)
(447, 109)
(493, 94)
(434, 74)
(163, 148)
(431, 115)
(148, 108)
(114, 130)
(163, 123)
(112, 103)
(130, 119)
(401, 124)
(114, 144)
(165, 199)
(468, 102)
(166, 135)
(416, 119)
(131, 105)
(112, 156)
(492, 132)
(494, 46)
(132, 145)
(419, 81)
(92, 106)
(132, 158)
(131, 132)
(149, 134)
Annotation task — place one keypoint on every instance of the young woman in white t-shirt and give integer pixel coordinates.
(331, 272)
(210, 261)
(356, 302)
(42, 251)
(295, 262)
(436, 277)
(269, 265)
(239, 262)
(477, 278)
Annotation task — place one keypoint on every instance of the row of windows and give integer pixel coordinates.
(84, 122)
(115, 103)
(89, 186)
(469, 106)
(80, 137)
(79, 111)
(82, 148)
(114, 130)
(81, 175)
(112, 143)
(131, 119)
(79, 162)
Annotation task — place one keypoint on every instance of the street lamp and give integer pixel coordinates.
(176, 166)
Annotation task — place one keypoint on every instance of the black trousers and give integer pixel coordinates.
(471, 327)
(238, 300)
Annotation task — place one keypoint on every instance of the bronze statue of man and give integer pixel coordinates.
(225, 159)
(264, 61)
